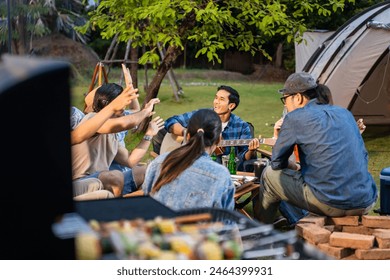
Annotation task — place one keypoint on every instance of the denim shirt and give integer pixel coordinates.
(75, 117)
(235, 129)
(333, 157)
(122, 134)
(203, 184)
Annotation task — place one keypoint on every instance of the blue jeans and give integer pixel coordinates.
(129, 185)
(116, 166)
(292, 213)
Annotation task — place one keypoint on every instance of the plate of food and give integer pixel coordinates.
(239, 180)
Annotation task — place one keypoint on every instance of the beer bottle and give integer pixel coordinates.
(214, 157)
(232, 164)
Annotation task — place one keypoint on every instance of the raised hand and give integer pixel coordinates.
(134, 105)
(150, 105)
(277, 127)
(154, 126)
(361, 125)
(124, 99)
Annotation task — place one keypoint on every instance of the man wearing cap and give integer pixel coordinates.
(333, 177)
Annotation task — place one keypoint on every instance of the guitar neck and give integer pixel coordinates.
(245, 142)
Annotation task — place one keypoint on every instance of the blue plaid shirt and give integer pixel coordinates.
(235, 129)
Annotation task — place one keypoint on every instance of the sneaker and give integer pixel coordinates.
(280, 222)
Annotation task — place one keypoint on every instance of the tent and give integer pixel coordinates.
(354, 63)
(311, 41)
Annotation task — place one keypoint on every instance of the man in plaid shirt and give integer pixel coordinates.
(225, 102)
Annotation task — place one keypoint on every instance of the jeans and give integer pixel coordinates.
(116, 166)
(292, 213)
(129, 185)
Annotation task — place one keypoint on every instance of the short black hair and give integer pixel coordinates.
(234, 96)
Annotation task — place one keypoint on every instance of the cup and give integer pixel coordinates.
(259, 166)
(225, 160)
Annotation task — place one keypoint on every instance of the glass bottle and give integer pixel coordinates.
(214, 157)
(232, 164)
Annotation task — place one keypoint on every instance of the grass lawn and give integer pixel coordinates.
(260, 105)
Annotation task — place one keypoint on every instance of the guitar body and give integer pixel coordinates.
(170, 142)
(219, 151)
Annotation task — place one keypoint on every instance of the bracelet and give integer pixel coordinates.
(147, 138)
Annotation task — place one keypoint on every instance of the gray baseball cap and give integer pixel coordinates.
(298, 82)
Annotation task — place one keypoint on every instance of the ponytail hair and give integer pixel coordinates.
(321, 92)
(204, 128)
(324, 95)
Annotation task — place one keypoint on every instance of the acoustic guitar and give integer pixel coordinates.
(172, 141)
(241, 142)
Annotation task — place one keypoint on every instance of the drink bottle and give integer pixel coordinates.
(232, 164)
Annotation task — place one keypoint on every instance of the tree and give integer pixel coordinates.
(35, 18)
(213, 25)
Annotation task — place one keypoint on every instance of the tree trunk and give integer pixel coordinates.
(19, 26)
(134, 66)
(170, 57)
(153, 88)
(166, 64)
(279, 56)
(110, 49)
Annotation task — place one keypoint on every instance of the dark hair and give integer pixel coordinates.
(324, 94)
(321, 92)
(204, 128)
(105, 94)
(234, 97)
(310, 93)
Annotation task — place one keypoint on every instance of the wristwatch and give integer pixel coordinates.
(148, 138)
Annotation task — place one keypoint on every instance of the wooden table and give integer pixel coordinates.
(250, 187)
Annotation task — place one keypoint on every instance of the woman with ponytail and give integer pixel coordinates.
(187, 177)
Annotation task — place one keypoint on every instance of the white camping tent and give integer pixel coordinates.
(354, 63)
(305, 49)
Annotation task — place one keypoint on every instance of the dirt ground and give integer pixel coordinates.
(83, 57)
(60, 47)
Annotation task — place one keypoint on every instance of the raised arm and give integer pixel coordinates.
(132, 158)
(114, 125)
(134, 105)
(88, 128)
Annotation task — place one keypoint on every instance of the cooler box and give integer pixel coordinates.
(385, 191)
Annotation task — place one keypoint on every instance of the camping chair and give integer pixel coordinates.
(97, 80)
